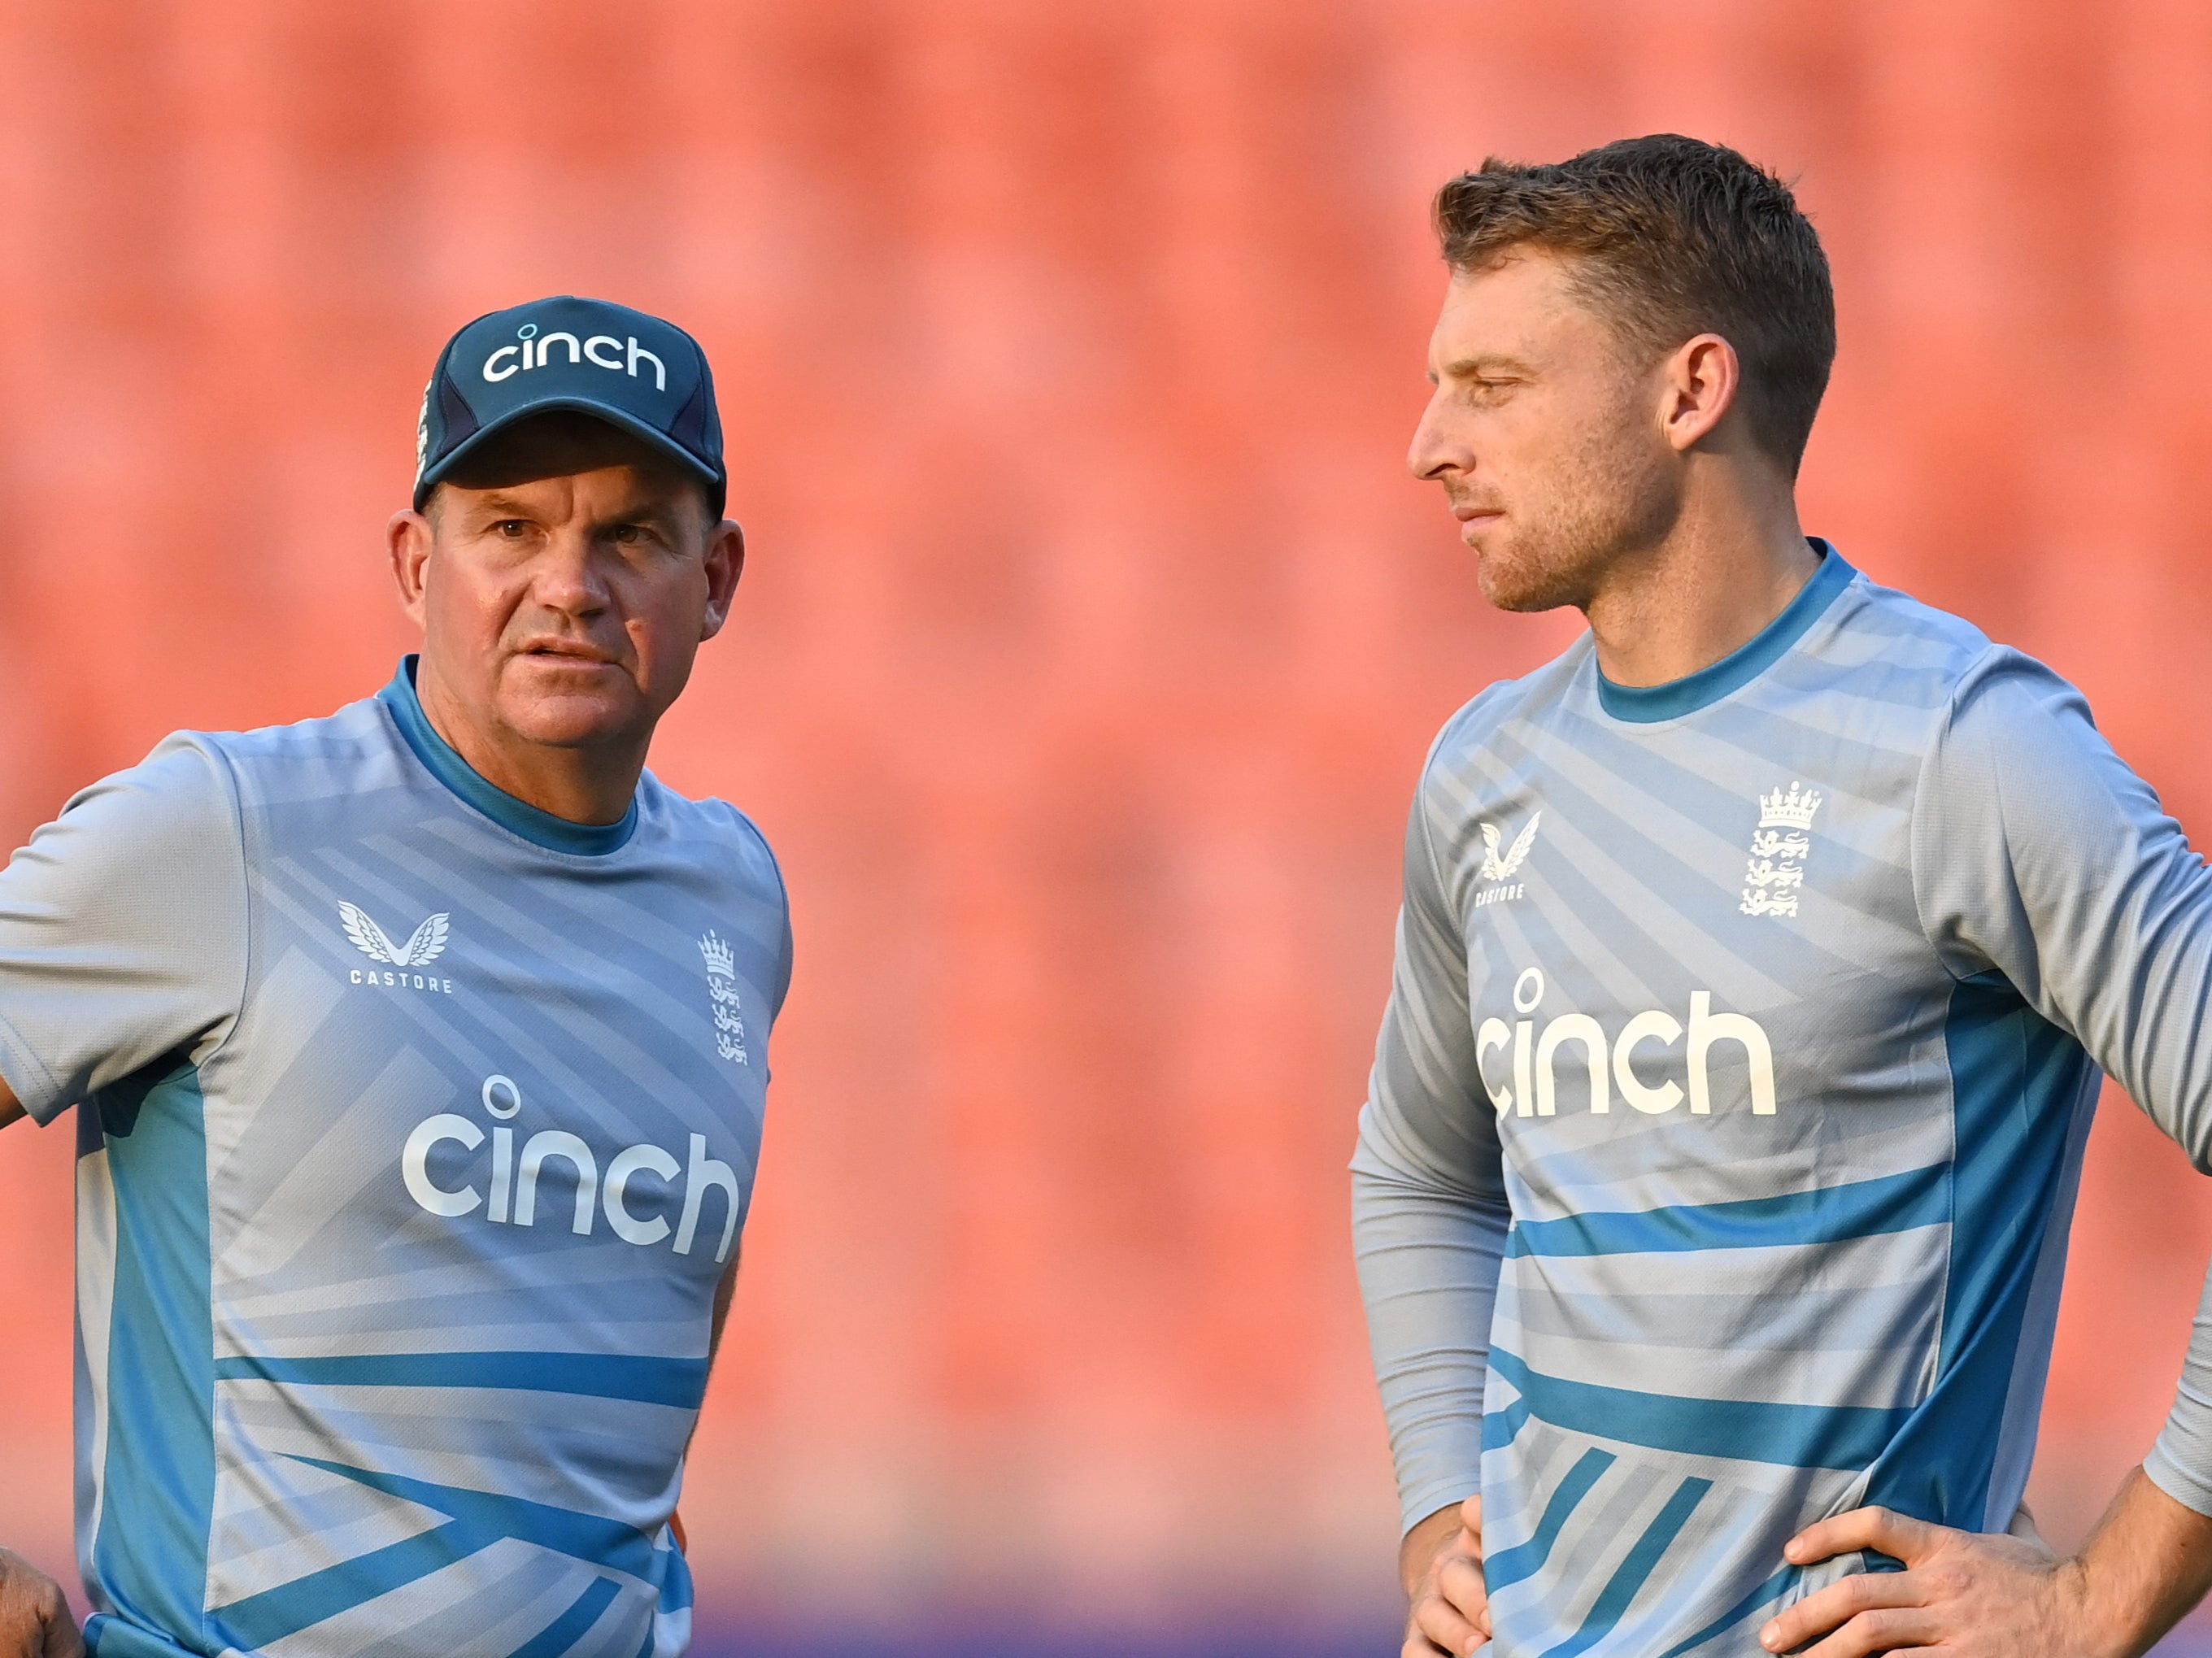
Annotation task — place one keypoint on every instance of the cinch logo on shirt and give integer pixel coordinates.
(1611, 1060)
(512, 1197)
(533, 350)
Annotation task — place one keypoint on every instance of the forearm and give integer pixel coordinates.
(2147, 1564)
(1429, 1260)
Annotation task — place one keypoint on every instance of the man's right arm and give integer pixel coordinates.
(1429, 1221)
(122, 939)
(2040, 856)
(122, 930)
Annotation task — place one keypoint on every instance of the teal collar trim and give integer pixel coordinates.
(444, 763)
(1645, 704)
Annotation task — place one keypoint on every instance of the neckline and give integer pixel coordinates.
(1647, 704)
(518, 817)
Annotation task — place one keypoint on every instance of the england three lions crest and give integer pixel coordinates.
(722, 994)
(1774, 874)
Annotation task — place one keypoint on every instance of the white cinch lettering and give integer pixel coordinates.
(591, 351)
(502, 1172)
(1706, 1028)
(706, 1171)
(1612, 1063)
(545, 345)
(414, 1164)
(503, 373)
(638, 1159)
(558, 1143)
(638, 354)
(1572, 1028)
(1494, 1033)
(1652, 1025)
(515, 1188)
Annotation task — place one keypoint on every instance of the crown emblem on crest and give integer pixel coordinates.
(1792, 810)
(720, 959)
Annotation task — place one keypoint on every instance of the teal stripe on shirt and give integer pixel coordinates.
(1892, 1203)
(1635, 1569)
(572, 1625)
(1526, 1559)
(1847, 1436)
(679, 1381)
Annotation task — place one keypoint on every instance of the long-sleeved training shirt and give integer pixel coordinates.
(1729, 1106)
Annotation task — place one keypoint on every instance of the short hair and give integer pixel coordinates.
(1672, 237)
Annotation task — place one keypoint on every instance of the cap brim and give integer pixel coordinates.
(619, 418)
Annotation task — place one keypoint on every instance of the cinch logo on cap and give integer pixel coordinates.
(624, 354)
(634, 371)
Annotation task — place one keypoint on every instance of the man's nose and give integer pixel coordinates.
(1433, 450)
(569, 577)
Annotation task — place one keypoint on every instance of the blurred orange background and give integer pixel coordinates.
(1093, 635)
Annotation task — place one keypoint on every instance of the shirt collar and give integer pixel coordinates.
(443, 761)
(1646, 704)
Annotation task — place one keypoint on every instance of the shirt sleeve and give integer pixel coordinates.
(122, 929)
(1429, 1207)
(2095, 909)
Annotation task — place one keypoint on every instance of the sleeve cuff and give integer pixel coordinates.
(1432, 1497)
(35, 1086)
(2184, 1485)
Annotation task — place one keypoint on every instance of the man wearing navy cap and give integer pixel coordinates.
(420, 1054)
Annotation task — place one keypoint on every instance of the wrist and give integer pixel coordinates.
(1417, 1553)
(2091, 1622)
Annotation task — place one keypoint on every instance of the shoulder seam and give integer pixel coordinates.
(1940, 730)
(227, 775)
(783, 889)
(774, 863)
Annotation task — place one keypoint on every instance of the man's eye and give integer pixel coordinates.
(512, 529)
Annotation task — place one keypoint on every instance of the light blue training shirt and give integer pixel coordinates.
(416, 1129)
(1728, 1108)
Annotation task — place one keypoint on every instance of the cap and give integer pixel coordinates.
(631, 370)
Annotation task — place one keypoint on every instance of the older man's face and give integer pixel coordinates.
(565, 583)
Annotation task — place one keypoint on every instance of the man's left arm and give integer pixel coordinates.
(723, 1292)
(2039, 854)
(727, 1288)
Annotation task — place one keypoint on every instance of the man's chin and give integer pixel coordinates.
(572, 720)
(1520, 592)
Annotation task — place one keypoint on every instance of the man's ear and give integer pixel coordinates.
(1701, 384)
(725, 563)
(411, 538)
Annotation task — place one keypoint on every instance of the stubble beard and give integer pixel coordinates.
(1612, 500)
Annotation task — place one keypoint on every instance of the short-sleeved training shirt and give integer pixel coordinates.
(415, 1129)
(1728, 1113)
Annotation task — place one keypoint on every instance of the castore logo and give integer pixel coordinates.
(423, 946)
